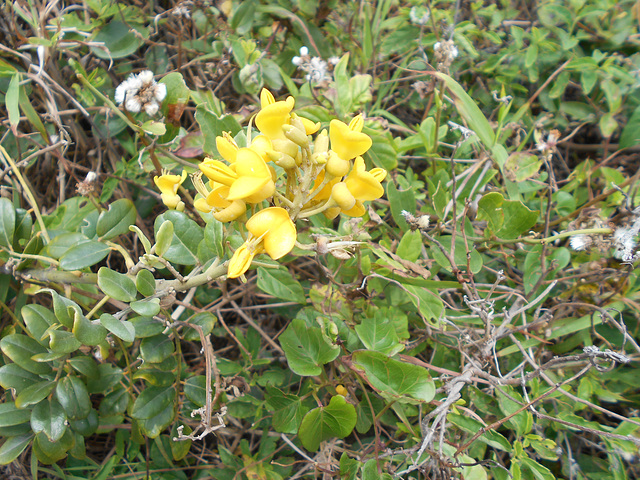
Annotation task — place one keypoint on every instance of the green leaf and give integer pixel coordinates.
(38, 319)
(146, 283)
(540, 472)
(116, 285)
(518, 219)
(49, 452)
(187, 234)
(400, 201)
(16, 377)
(117, 219)
(521, 166)
(48, 417)
(63, 342)
(370, 472)
(20, 349)
(630, 133)
(521, 422)
(382, 153)
(468, 110)
(490, 209)
(472, 426)
(306, 348)
(392, 378)
(379, 334)
(426, 301)
(87, 332)
(7, 222)
(73, 396)
(288, 410)
(410, 246)
(84, 254)
(154, 128)
(152, 401)
(195, 389)
(281, 284)
(84, 365)
(120, 41)
(205, 320)
(146, 326)
(120, 328)
(459, 254)
(157, 348)
(12, 100)
(11, 415)
(35, 393)
(148, 306)
(13, 447)
(335, 420)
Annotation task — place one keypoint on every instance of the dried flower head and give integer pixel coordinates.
(140, 92)
(318, 70)
(445, 53)
(419, 16)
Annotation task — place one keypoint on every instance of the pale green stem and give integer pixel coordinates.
(27, 192)
(97, 306)
(39, 258)
(127, 258)
(325, 206)
(325, 181)
(284, 199)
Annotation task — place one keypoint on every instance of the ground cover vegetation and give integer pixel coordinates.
(292, 239)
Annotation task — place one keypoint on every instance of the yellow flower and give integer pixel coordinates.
(348, 141)
(273, 115)
(359, 186)
(168, 185)
(249, 178)
(215, 201)
(271, 231)
(227, 147)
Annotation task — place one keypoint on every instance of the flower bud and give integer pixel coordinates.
(321, 145)
(319, 158)
(342, 196)
(296, 135)
(336, 166)
(164, 237)
(285, 146)
(286, 161)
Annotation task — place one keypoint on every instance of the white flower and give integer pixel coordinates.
(333, 60)
(304, 51)
(419, 16)
(445, 52)
(181, 11)
(297, 61)
(580, 242)
(625, 243)
(141, 92)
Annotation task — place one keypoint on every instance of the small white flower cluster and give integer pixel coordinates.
(445, 53)
(182, 11)
(140, 92)
(580, 242)
(419, 16)
(624, 241)
(318, 70)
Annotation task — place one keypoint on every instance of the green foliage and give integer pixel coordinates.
(478, 321)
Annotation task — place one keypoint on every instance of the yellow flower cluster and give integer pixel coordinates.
(326, 175)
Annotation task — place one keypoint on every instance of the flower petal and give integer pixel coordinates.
(218, 172)
(346, 142)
